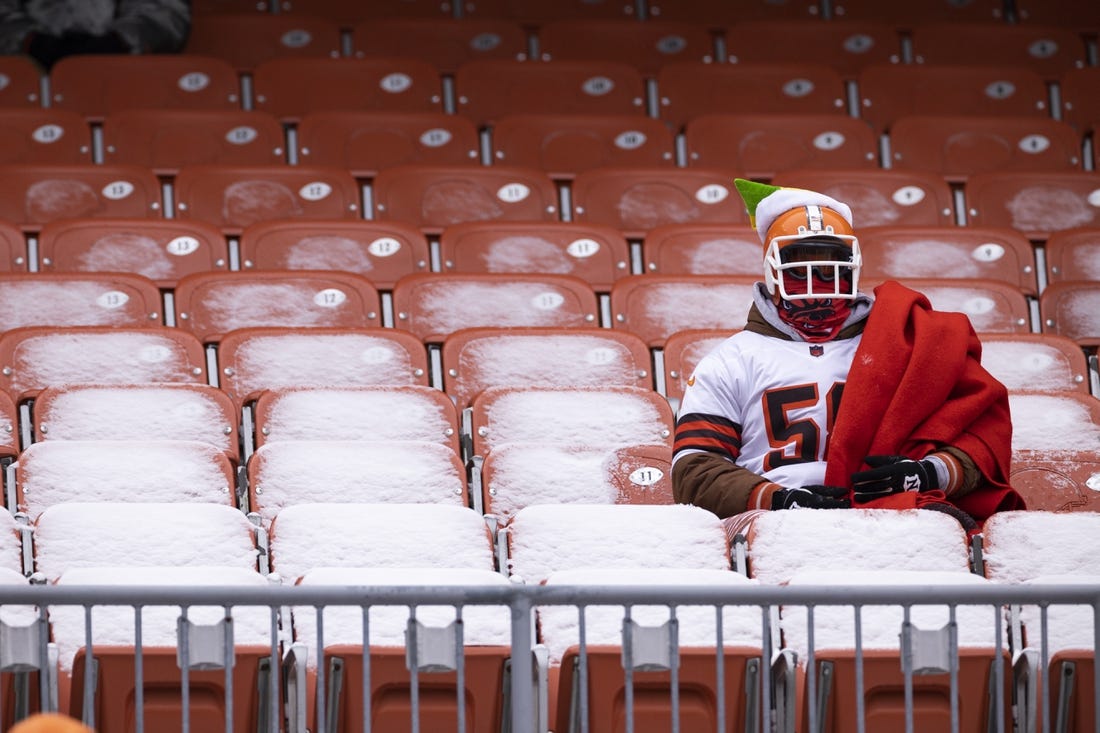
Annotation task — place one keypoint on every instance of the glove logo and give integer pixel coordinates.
(911, 483)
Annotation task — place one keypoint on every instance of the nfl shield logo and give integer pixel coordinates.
(817, 350)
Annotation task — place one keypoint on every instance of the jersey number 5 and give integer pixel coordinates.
(804, 435)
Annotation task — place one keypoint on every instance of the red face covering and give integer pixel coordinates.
(818, 319)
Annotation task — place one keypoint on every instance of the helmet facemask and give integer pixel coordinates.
(809, 259)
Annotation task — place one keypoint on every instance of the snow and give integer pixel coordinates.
(447, 305)
(231, 304)
(783, 544)
(1077, 316)
(1030, 366)
(57, 471)
(1052, 424)
(559, 629)
(527, 253)
(931, 257)
(122, 251)
(987, 311)
(80, 535)
(114, 625)
(549, 537)
(1069, 626)
(291, 472)
(663, 308)
(11, 614)
(723, 256)
(11, 544)
(30, 302)
(307, 536)
(1023, 545)
(1083, 261)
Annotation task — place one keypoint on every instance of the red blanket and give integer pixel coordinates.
(916, 384)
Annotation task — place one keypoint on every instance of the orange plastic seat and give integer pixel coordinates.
(903, 17)
(702, 249)
(1048, 51)
(759, 146)
(211, 304)
(596, 254)
(717, 12)
(564, 145)
(533, 13)
(1073, 254)
(1072, 309)
(163, 250)
(1036, 362)
(114, 299)
(445, 43)
(1082, 16)
(367, 142)
(846, 46)
(349, 12)
(247, 39)
(882, 197)
(1062, 483)
(682, 352)
(13, 249)
(9, 427)
(383, 252)
(645, 46)
(166, 140)
(993, 306)
(231, 197)
(1080, 107)
(20, 82)
(654, 307)
(1036, 204)
(1054, 424)
(44, 136)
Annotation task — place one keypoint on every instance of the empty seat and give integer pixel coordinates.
(79, 299)
(1063, 482)
(13, 249)
(1079, 104)
(920, 11)
(434, 305)
(32, 195)
(9, 428)
(445, 43)
(634, 200)
(1046, 50)
(1072, 13)
(992, 306)
(645, 46)
(166, 140)
(1073, 254)
(433, 197)
(348, 12)
(20, 82)
(1035, 362)
(598, 255)
(564, 145)
(1037, 204)
(1019, 546)
(846, 46)
(717, 11)
(383, 252)
(232, 197)
(252, 360)
(247, 39)
(654, 307)
(367, 142)
(537, 12)
(365, 413)
(702, 249)
(489, 89)
(475, 359)
(212, 304)
(98, 85)
(1055, 425)
(44, 136)
(162, 250)
(682, 352)
(1072, 309)
(34, 358)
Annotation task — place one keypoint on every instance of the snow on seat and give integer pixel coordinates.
(1022, 545)
(654, 307)
(87, 534)
(1035, 362)
(11, 544)
(60, 471)
(365, 413)
(993, 306)
(79, 299)
(307, 472)
(1057, 425)
(9, 433)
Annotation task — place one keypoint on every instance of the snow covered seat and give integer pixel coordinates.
(1036, 362)
(682, 352)
(486, 648)
(306, 472)
(138, 412)
(114, 657)
(141, 534)
(692, 248)
(79, 299)
(251, 360)
(1072, 309)
(519, 474)
(1038, 204)
(210, 304)
(1058, 482)
(24, 657)
(35, 194)
(1056, 449)
(11, 544)
(993, 306)
(13, 247)
(36, 357)
(435, 305)
(595, 416)
(1073, 254)
(60, 471)
(9, 428)
(656, 306)
(361, 414)
(475, 359)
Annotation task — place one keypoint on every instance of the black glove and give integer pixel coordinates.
(893, 475)
(811, 497)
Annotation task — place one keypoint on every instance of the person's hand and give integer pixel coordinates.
(811, 497)
(892, 475)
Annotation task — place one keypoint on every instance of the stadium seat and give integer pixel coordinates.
(445, 43)
(845, 46)
(1035, 362)
(900, 252)
(213, 7)
(364, 414)
(434, 305)
(921, 11)
(634, 200)
(13, 249)
(162, 250)
(79, 299)
(565, 145)
(882, 197)
(703, 249)
(1036, 204)
(349, 12)
(43, 136)
(211, 304)
(534, 13)
(653, 307)
(20, 82)
(433, 197)
(165, 140)
(1048, 51)
(993, 306)
(475, 359)
(232, 197)
(1081, 16)
(367, 142)
(247, 39)
(489, 89)
(1079, 105)
(890, 91)
(1072, 309)
(11, 545)
(1054, 425)
(383, 252)
(37, 357)
(682, 352)
(251, 360)
(9, 428)
(957, 147)
(760, 145)
(719, 12)
(1061, 482)
(1073, 254)
(687, 90)
(598, 255)
(290, 88)
(644, 46)
(99, 85)
(34, 194)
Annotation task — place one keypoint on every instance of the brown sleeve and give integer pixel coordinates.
(971, 475)
(713, 483)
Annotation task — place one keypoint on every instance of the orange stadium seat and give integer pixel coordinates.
(533, 13)
(80, 299)
(703, 249)
(247, 39)
(1036, 204)
(13, 249)
(9, 428)
(367, 142)
(445, 43)
(1072, 309)
(846, 46)
(1083, 16)
(44, 136)
(1054, 425)
(645, 46)
(1065, 482)
(208, 7)
(717, 12)
(1048, 51)
(383, 252)
(163, 250)
(881, 197)
(682, 352)
(903, 17)
(1080, 107)
(20, 82)
(1073, 254)
(1036, 362)
(759, 146)
(166, 140)
(210, 304)
(564, 145)
(348, 12)
(654, 307)
(993, 306)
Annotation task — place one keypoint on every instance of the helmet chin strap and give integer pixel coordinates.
(818, 319)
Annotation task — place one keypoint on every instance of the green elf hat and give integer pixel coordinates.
(766, 202)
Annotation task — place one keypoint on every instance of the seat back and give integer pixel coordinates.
(1046, 50)
(1037, 204)
(717, 12)
(1062, 482)
(919, 11)
(991, 305)
(1079, 105)
(32, 195)
(443, 42)
(58, 136)
(21, 78)
(80, 299)
(1073, 255)
(1055, 424)
(9, 427)
(13, 249)
(1036, 362)
(1023, 545)
(247, 39)
(702, 249)
(1072, 309)
(844, 45)
(654, 307)
(644, 46)
(682, 352)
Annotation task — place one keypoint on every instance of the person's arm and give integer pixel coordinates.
(714, 483)
(153, 26)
